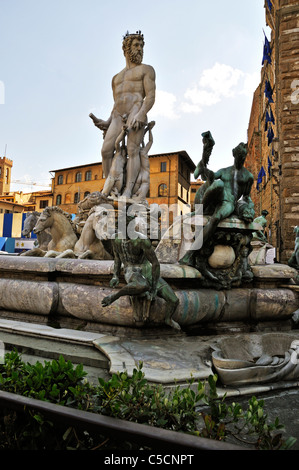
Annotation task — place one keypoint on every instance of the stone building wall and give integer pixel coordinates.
(169, 182)
(74, 182)
(278, 190)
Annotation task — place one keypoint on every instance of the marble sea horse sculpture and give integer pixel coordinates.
(43, 238)
(96, 198)
(95, 238)
(61, 228)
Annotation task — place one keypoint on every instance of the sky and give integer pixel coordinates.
(58, 57)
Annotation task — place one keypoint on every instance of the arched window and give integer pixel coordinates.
(88, 175)
(78, 177)
(86, 193)
(7, 176)
(58, 199)
(76, 198)
(60, 179)
(162, 190)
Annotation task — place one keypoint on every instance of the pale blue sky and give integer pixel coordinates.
(58, 57)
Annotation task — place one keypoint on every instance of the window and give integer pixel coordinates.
(163, 166)
(76, 198)
(88, 175)
(60, 179)
(43, 204)
(58, 200)
(78, 177)
(7, 176)
(86, 193)
(162, 190)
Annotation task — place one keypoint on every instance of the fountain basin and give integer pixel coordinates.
(257, 358)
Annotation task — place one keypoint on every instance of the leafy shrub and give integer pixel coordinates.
(199, 412)
(56, 381)
(133, 399)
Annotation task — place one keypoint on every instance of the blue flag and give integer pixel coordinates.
(269, 118)
(269, 4)
(269, 166)
(270, 136)
(268, 91)
(260, 177)
(267, 51)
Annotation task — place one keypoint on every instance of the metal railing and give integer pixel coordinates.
(153, 437)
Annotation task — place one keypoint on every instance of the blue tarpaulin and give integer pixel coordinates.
(2, 243)
(10, 245)
(7, 225)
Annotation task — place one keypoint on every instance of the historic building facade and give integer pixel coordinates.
(18, 201)
(273, 132)
(169, 182)
(33, 201)
(5, 174)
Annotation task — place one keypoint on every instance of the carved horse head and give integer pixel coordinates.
(29, 223)
(103, 221)
(61, 228)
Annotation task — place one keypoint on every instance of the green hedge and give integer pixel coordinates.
(199, 412)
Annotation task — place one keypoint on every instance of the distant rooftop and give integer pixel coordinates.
(77, 166)
(183, 153)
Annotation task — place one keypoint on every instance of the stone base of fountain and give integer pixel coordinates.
(68, 293)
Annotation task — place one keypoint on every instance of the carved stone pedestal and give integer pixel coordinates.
(222, 260)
